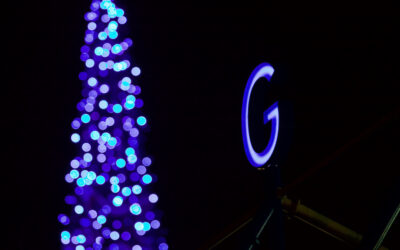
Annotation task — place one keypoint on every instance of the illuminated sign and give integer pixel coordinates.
(271, 114)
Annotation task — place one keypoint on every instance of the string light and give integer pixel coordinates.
(112, 205)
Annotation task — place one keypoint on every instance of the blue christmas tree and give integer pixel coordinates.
(112, 206)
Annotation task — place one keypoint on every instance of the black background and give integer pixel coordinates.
(336, 64)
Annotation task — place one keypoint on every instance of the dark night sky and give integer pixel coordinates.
(337, 66)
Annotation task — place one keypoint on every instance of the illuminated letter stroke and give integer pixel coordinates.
(271, 114)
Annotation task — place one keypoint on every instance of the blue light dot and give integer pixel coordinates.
(101, 158)
(163, 246)
(125, 64)
(117, 201)
(105, 18)
(89, 38)
(92, 81)
(135, 209)
(114, 180)
(146, 226)
(126, 191)
(120, 12)
(134, 132)
(81, 239)
(105, 4)
(136, 247)
(74, 163)
(106, 232)
(63, 219)
(98, 51)
(130, 99)
(68, 178)
(85, 49)
(75, 138)
(78, 209)
(91, 175)
(100, 180)
(95, 135)
(112, 26)
(117, 108)
(136, 71)
(95, 6)
(139, 226)
(153, 198)
(117, 48)
(103, 104)
(113, 34)
(102, 36)
(80, 182)
(84, 173)
(112, 12)
(65, 241)
(146, 161)
(84, 57)
(155, 224)
(106, 209)
(125, 86)
(102, 66)
(90, 16)
(85, 118)
(132, 159)
(89, 63)
(120, 163)
(88, 157)
(141, 120)
(96, 225)
(141, 170)
(110, 121)
(106, 53)
(104, 88)
(79, 247)
(101, 219)
(110, 64)
(92, 26)
(92, 214)
(134, 177)
(102, 148)
(112, 142)
(129, 151)
(147, 179)
(74, 174)
(117, 67)
(106, 136)
(65, 235)
(150, 215)
(84, 222)
(121, 177)
(86, 147)
(137, 189)
(122, 20)
(75, 124)
(88, 182)
(115, 188)
(126, 236)
(129, 106)
(89, 107)
(114, 235)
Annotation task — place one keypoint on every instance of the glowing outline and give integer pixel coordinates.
(272, 113)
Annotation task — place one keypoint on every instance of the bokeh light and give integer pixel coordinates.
(110, 174)
(135, 209)
(141, 120)
(136, 71)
